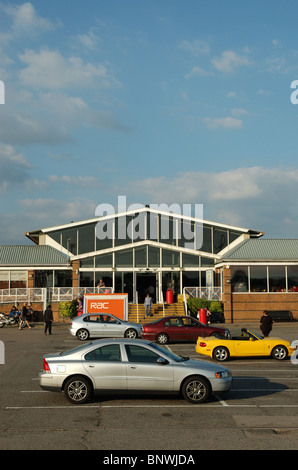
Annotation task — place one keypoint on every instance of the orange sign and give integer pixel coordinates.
(115, 304)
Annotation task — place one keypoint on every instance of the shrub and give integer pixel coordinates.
(69, 309)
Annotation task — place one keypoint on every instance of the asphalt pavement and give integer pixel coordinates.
(259, 413)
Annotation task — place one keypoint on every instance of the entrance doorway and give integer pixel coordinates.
(147, 282)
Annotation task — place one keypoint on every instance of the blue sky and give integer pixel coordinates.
(161, 101)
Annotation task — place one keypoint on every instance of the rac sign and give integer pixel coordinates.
(115, 304)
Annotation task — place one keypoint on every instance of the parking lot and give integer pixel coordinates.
(260, 411)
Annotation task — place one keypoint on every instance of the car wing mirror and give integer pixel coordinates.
(162, 361)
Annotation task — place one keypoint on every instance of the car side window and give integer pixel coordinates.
(109, 353)
(140, 354)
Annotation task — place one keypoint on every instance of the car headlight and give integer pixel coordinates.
(227, 334)
(225, 374)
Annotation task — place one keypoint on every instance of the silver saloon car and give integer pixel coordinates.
(103, 325)
(130, 366)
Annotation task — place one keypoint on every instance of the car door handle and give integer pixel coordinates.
(133, 367)
(91, 365)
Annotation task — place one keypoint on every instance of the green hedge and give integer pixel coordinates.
(195, 304)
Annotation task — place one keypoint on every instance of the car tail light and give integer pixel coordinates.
(46, 366)
(203, 345)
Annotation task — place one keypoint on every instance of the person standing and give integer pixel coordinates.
(265, 323)
(148, 305)
(48, 319)
(24, 317)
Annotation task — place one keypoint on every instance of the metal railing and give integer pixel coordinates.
(64, 294)
(17, 295)
(50, 294)
(208, 293)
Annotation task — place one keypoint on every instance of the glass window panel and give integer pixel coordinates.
(170, 258)
(153, 257)
(87, 279)
(293, 278)
(141, 257)
(18, 279)
(86, 238)
(190, 260)
(105, 261)
(136, 227)
(220, 239)
(124, 283)
(105, 276)
(56, 235)
(206, 245)
(104, 234)
(69, 239)
(239, 278)
(277, 279)
(63, 278)
(171, 280)
(258, 278)
(186, 234)
(191, 279)
(87, 262)
(205, 262)
(43, 278)
(124, 258)
(123, 230)
(233, 235)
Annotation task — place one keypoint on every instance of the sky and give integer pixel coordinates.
(160, 101)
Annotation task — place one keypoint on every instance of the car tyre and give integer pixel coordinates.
(221, 354)
(131, 333)
(162, 338)
(77, 390)
(196, 389)
(279, 352)
(82, 334)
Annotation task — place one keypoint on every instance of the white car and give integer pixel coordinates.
(103, 325)
(130, 366)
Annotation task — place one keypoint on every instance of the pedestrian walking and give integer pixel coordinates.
(148, 305)
(48, 319)
(24, 317)
(265, 323)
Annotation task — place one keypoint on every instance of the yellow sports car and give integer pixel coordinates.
(247, 345)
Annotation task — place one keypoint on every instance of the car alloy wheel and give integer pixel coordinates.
(77, 390)
(162, 338)
(82, 334)
(221, 354)
(131, 333)
(196, 390)
(279, 352)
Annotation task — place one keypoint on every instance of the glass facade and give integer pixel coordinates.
(264, 278)
(148, 247)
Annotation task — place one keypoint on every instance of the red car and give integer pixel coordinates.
(180, 328)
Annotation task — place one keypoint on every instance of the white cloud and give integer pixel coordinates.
(49, 69)
(226, 122)
(26, 20)
(197, 72)
(195, 47)
(229, 61)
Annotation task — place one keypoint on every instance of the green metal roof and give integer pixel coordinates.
(31, 255)
(256, 249)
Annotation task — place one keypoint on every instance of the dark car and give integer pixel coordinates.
(180, 328)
